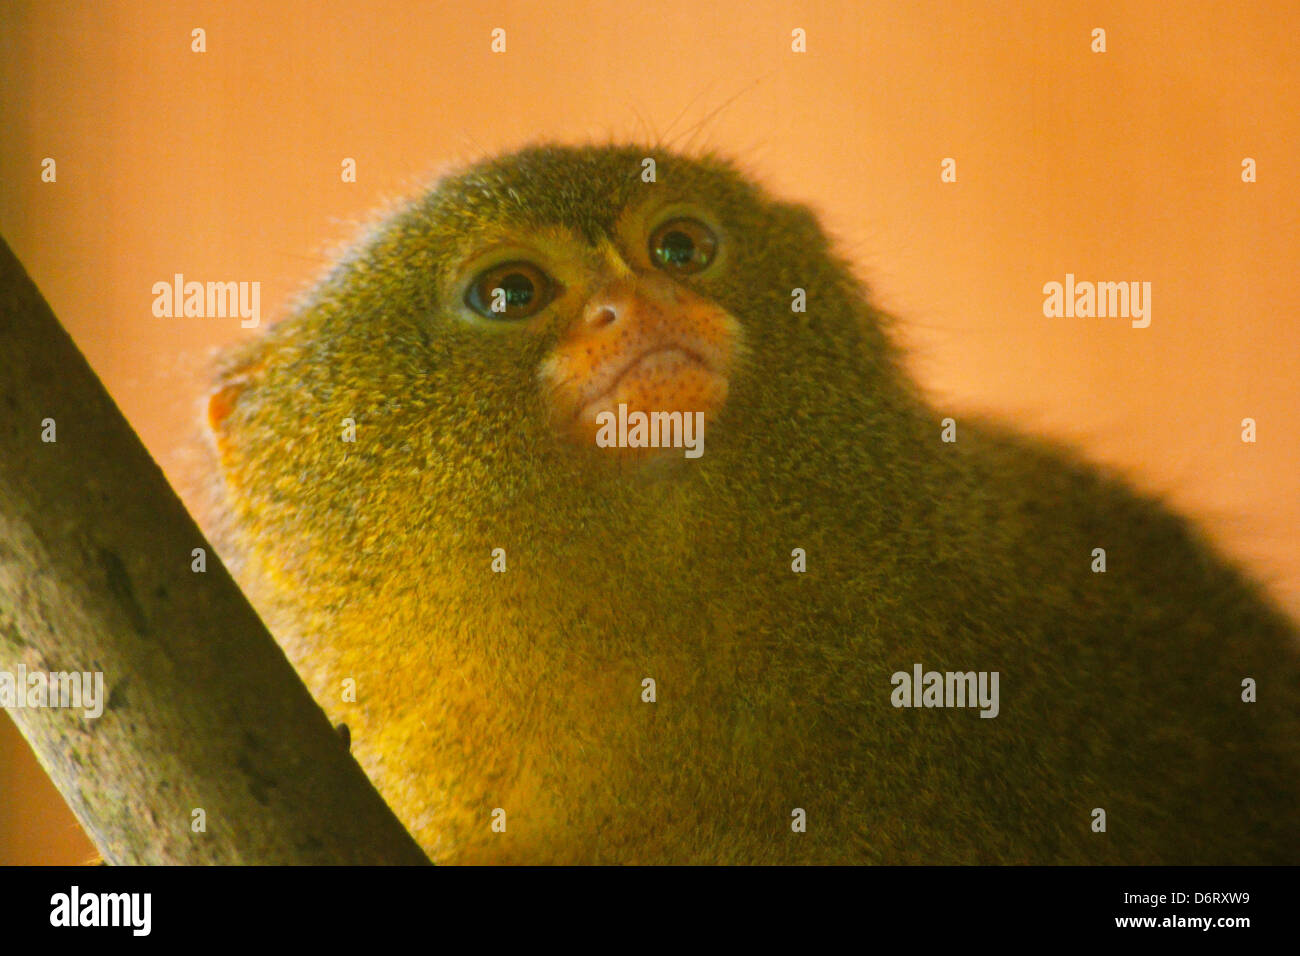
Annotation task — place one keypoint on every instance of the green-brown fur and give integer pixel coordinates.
(522, 690)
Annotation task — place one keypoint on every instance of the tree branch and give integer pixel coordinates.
(203, 710)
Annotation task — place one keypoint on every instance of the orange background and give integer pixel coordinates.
(1124, 166)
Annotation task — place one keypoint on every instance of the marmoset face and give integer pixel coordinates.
(600, 297)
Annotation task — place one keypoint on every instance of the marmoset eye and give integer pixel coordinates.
(513, 290)
(683, 246)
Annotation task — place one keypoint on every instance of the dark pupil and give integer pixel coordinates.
(518, 289)
(678, 248)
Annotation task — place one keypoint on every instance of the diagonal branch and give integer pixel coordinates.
(203, 711)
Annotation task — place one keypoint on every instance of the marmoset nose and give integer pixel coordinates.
(599, 315)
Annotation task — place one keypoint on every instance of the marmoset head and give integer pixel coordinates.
(493, 321)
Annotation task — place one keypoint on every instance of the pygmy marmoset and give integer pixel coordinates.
(563, 651)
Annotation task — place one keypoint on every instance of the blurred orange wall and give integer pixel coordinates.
(1116, 166)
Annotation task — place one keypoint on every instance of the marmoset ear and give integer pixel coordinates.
(220, 404)
(233, 378)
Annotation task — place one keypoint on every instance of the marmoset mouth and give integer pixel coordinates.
(668, 378)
